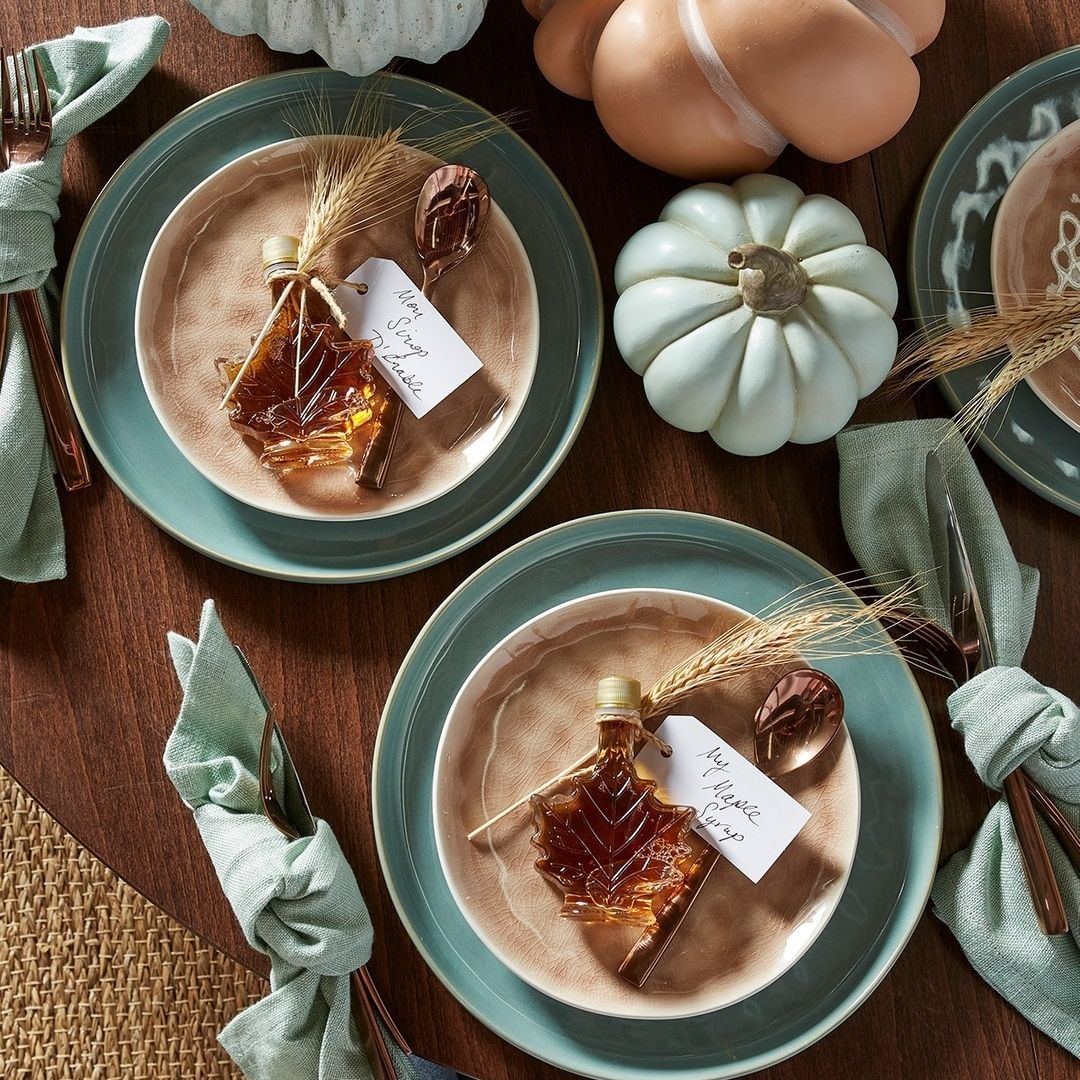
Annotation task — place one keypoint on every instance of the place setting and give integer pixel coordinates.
(478, 717)
(651, 792)
(520, 307)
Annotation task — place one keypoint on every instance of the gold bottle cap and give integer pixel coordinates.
(618, 692)
(280, 249)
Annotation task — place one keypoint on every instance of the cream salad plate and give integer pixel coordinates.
(202, 291)
(524, 712)
(188, 208)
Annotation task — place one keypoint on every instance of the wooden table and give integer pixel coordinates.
(89, 695)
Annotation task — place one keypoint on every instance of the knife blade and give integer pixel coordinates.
(972, 634)
(967, 618)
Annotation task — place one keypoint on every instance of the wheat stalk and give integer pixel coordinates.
(1033, 333)
(811, 624)
(794, 634)
(355, 172)
(347, 176)
(357, 178)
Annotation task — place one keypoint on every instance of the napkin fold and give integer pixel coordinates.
(88, 73)
(297, 901)
(1007, 718)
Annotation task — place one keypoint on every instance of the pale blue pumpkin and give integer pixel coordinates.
(756, 313)
(355, 36)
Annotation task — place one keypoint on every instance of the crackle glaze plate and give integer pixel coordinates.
(949, 259)
(1036, 249)
(98, 319)
(899, 788)
(526, 711)
(183, 324)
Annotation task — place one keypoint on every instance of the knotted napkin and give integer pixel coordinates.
(297, 901)
(88, 73)
(1007, 718)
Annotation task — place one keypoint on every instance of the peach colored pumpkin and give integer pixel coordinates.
(714, 88)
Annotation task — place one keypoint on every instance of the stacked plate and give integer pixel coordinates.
(997, 220)
(166, 278)
(490, 701)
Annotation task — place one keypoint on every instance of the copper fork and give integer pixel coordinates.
(26, 122)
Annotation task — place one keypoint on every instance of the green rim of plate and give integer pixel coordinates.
(900, 784)
(1024, 436)
(97, 340)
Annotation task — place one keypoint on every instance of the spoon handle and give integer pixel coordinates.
(640, 961)
(375, 463)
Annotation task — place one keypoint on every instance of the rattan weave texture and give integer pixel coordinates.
(95, 981)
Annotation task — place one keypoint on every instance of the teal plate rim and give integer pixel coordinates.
(905, 915)
(590, 338)
(1018, 80)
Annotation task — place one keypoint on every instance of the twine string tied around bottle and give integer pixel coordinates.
(643, 734)
(294, 276)
(323, 284)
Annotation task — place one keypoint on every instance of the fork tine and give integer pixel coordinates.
(30, 117)
(5, 90)
(18, 101)
(44, 112)
(14, 100)
(6, 114)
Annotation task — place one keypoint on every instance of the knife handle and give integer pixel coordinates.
(1059, 824)
(1043, 886)
(60, 422)
(364, 985)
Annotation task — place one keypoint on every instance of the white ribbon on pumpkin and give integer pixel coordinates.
(755, 128)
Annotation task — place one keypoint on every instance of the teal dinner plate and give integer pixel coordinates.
(900, 782)
(97, 330)
(949, 257)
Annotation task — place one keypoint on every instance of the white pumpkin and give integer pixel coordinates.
(354, 36)
(755, 312)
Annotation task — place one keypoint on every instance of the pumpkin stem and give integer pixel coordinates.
(771, 280)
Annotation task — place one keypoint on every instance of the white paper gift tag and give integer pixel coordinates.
(417, 350)
(749, 819)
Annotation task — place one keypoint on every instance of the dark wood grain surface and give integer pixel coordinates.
(88, 694)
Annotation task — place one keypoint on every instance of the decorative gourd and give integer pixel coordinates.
(356, 36)
(714, 88)
(755, 312)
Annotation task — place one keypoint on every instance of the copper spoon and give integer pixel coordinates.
(451, 213)
(796, 722)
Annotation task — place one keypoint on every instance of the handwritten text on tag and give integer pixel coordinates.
(749, 819)
(417, 350)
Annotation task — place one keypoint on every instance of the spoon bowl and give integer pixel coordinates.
(451, 213)
(929, 646)
(798, 719)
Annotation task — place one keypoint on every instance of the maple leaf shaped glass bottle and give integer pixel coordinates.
(308, 386)
(609, 843)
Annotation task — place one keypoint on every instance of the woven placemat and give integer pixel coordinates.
(95, 981)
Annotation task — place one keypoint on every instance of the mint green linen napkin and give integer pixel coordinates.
(296, 901)
(1007, 718)
(88, 73)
